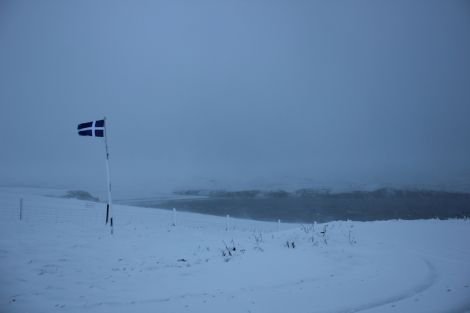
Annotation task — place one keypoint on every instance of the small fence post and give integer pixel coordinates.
(174, 217)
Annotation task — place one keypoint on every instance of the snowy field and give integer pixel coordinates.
(62, 258)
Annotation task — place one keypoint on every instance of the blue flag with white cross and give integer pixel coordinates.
(94, 129)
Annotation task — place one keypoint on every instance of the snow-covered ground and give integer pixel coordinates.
(62, 258)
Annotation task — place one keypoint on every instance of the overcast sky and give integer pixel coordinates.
(236, 93)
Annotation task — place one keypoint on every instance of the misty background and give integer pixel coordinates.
(236, 94)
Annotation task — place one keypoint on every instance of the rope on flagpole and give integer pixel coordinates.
(109, 215)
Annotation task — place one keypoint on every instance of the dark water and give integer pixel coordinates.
(308, 206)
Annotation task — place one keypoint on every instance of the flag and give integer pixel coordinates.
(98, 129)
(94, 128)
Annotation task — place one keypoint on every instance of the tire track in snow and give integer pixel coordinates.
(429, 280)
(424, 285)
(209, 294)
(212, 293)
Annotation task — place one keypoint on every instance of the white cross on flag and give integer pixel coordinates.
(95, 129)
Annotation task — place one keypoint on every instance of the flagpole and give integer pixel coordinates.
(109, 215)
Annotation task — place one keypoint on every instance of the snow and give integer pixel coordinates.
(62, 258)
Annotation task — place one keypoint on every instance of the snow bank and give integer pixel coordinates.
(61, 258)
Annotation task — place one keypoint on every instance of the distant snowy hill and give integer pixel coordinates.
(322, 205)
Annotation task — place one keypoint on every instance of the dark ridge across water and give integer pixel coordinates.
(309, 205)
